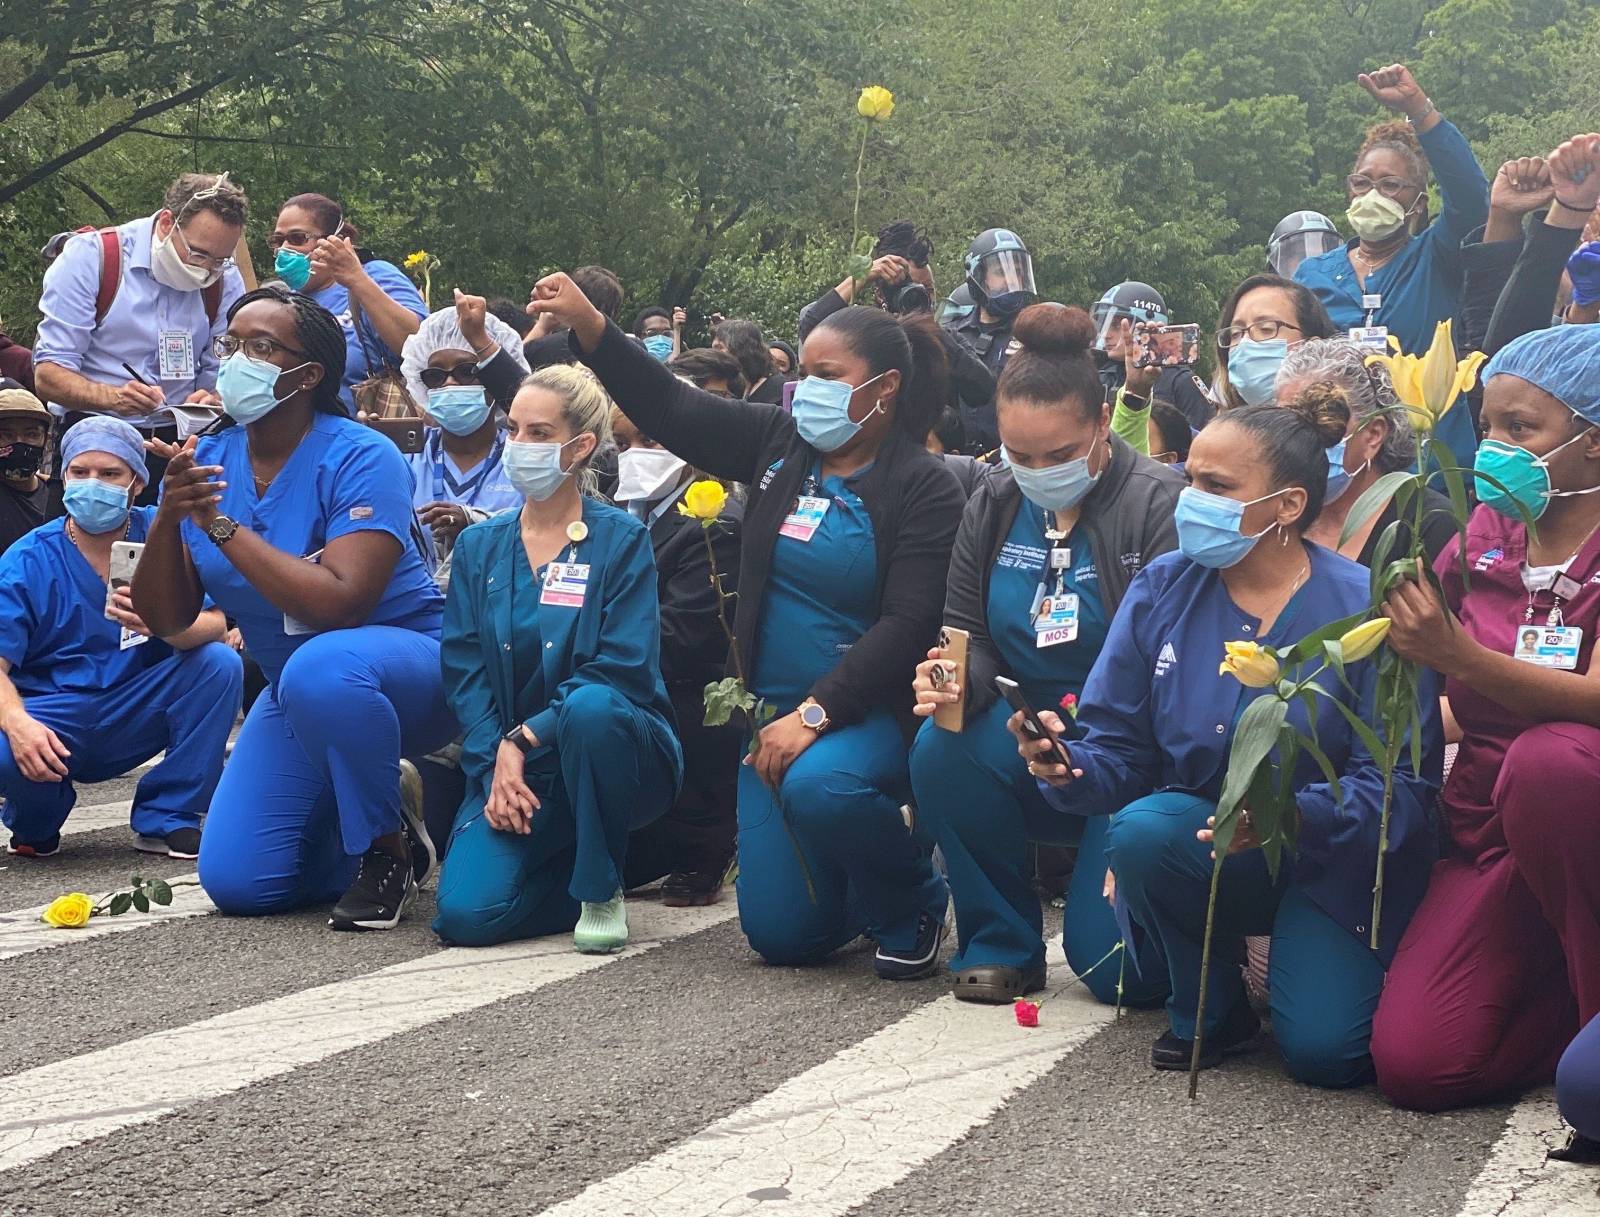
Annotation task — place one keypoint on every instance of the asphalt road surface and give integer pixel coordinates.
(189, 1064)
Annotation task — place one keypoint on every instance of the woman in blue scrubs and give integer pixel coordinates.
(1158, 723)
(1046, 550)
(846, 545)
(298, 524)
(551, 645)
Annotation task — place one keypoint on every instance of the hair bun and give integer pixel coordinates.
(1054, 329)
(1326, 406)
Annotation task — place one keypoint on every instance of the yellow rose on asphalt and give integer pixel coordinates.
(876, 103)
(704, 500)
(1364, 639)
(1251, 664)
(69, 912)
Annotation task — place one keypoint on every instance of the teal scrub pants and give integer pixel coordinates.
(609, 774)
(1324, 980)
(841, 800)
(975, 796)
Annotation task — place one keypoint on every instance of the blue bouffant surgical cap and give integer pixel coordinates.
(105, 434)
(1563, 360)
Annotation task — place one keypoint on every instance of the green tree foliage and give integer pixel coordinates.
(704, 148)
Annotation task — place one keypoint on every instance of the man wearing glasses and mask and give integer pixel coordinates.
(128, 314)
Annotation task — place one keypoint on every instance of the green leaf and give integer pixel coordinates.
(1367, 735)
(1372, 501)
(858, 267)
(1311, 644)
(160, 892)
(723, 697)
(141, 901)
(1334, 650)
(1253, 741)
(120, 904)
(1381, 553)
(1324, 764)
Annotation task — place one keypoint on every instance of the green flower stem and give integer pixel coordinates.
(861, 161)
(1205, 977)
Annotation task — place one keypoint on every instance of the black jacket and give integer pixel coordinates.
(1128, 516)
(914, 503)
(1510, 287)
(694, 650)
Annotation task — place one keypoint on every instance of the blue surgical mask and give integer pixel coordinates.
(1253, 369)
(249, 387)
(822, 411)
(96, 506)
(659, 345)
(459, 409)
(535, 469)
(292, 267)
(1055, 487)
(1208, 528)
(1338, 477)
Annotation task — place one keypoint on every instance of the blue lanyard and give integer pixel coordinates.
(466, 492)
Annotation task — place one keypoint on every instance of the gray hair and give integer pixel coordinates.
(1344, 363)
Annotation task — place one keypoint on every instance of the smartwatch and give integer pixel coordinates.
(812, 715)
(519, 737)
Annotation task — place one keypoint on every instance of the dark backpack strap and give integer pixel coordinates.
(212, 295)
(110, 272)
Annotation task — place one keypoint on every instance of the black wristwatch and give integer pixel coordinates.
(519, 737)
(221, 530)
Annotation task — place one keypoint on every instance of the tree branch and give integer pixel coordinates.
(95, 196)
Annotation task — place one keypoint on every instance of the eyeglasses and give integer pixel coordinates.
(198, 257)
(1389, 187)
(437, 378)
(294, 239)
(224, 345)
(1264, 330)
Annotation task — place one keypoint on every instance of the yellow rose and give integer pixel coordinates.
(1250, 664)
(69, 912)
(876, 103)
(704, 501)
(1364, 639)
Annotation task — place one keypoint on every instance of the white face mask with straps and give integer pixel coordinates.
(170, 270)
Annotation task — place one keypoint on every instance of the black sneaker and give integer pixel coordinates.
(179, 843)
(424, 858)
(375, 901)
(922, 960)
(1580, 1149)
(35, 849)
(1237, 1033)
(691, 889)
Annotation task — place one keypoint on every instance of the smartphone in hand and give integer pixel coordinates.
(1167, 346)
(952, 669)
(407, 433)
(1031, 725)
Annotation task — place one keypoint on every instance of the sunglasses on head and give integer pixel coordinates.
(437, 378)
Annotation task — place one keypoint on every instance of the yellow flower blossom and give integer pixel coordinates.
(875, 104)
(704, 501)
(1364, 639)
(1251, 664)
(69, 912)
(1430, 384)
(417, 259)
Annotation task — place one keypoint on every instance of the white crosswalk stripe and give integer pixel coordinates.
(22, 931)
(1518, 1180)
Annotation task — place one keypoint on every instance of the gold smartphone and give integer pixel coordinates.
(952, 669)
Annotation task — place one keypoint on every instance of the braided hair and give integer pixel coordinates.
(904, 238)
(319, 335)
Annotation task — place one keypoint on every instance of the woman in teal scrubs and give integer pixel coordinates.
(1046, 550)
(552, 638)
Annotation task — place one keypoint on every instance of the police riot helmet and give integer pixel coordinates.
(1298, 236)
(1130, 301)
(1000, 271)
(957, 306)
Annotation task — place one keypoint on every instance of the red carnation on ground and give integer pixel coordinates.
(1027, 1011)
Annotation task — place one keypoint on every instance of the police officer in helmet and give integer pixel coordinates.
(1000, 281)
(1298, 236)
(1115, 315)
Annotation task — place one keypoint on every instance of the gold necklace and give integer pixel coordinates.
(263, 483)
(72, 531)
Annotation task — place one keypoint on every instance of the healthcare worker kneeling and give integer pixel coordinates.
(1159, 721)
(551, 644)
(298, 523)
(87, 690)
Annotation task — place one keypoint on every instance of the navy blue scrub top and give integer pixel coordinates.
(820, 597)
(1045, 673)
(343, 478)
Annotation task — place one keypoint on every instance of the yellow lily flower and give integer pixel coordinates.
(1364, 639)
(1251, 664)
(1428, 386)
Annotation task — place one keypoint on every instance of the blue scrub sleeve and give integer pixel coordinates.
(466, 674)
(17, 617)
(371, 492)
(1463, 188)
(1119, 754)
(625, 654)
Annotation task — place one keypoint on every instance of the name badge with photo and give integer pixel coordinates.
(177, 355)
(1055, 618)
(128, 639)
(802, 522)
(1373, 338)
(565, 584)
(1549, 646)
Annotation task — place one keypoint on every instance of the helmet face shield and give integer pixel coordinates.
(1132, 302)
(1006, 276)
(1285, 253)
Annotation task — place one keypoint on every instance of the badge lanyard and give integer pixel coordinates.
(805, 517)
(1054, 615)
(468, 492)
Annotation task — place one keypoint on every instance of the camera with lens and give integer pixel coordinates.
(908, 298)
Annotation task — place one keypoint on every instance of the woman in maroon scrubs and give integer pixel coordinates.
(1503, 956)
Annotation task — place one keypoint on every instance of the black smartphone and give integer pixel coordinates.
(408, 434)
(1030, 721)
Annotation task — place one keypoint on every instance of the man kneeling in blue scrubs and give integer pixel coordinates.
(86, 692)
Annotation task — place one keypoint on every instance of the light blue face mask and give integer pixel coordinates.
(822, 411)
(292, 267)
(1055, 487)
(459, 409)
(535, 468)
(1338, 478)
(1208, 528)
(248, 387)
(96, 506)
(1253, 369)
(659, 345)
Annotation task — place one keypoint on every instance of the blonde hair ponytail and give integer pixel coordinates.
(585, 407)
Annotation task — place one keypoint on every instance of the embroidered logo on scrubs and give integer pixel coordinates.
(1166, 659)
(1490, 557)
(361, 513)
(772, 470)
(1016, 556)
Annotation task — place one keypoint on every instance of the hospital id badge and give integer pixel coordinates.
(1055, 618)
(128, 639)
(1549, 646)
(565, 584)
(1372, 338)
(802, 523)
(177, 355)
